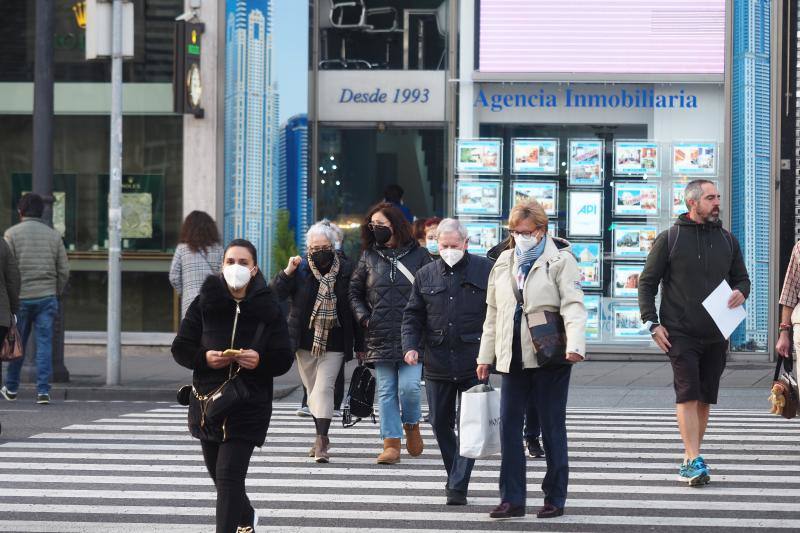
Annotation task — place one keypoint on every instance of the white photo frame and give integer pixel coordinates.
(479, 156)
(590, 263)
(625, 279)
(586, 162)
(695, 158)
(637, 198)
(544, 192)
(479, 197)
(482, 235)
(637, 158)
(594, 305)
(534, 156)
(585, 213)
(633, 241)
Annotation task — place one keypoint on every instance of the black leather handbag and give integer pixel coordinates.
(360, 397)
(547, 330)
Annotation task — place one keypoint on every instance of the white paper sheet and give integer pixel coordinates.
(717, 306)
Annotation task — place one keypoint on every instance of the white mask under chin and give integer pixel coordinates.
(526, 243)
(451, 256)
(236, 276)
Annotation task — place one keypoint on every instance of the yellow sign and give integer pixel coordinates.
(79, 9)
(194, 36)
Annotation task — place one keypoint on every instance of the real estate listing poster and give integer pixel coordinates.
(586, 162)
(483, 235)
(479, 156)
(592, 304)
(544, 192)
(534, 156)
(694, 158)
(478, 197)
(625, 282)
(636, 158)
(639, 199)
(589, 256)
(633, 240)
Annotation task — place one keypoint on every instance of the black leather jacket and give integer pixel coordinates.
(443, 320)
(378, 300)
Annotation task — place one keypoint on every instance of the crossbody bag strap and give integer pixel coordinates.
(406, 272)
(513, 279)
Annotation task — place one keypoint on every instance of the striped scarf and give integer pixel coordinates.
(525, 260)
(324, 316)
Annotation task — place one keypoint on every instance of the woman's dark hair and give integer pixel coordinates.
(244, 243)
(418, 228)
(199, 231)
(31, 205)
(401, 228)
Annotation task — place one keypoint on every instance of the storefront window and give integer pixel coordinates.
(383, 35)
(153, 41)
(355, 165)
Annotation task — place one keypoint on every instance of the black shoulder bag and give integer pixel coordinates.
(547, 333)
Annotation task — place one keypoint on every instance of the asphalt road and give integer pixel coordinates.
(84, 466)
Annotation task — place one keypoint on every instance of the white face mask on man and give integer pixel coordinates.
(236, 276)
(451, 256)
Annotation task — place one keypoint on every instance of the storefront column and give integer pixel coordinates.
(203, 138)
(466, 66)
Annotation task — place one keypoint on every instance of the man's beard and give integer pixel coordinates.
(712, 216)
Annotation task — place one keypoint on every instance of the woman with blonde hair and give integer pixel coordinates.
(537, 276)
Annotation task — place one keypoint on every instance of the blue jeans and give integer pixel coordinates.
(39, 314)
(442, 396)
(398, 387)
(549, 388)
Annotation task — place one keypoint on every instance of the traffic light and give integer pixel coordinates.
(187, 83)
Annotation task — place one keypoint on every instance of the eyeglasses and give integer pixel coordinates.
(320, 249)
(523, 234)
(372, 226)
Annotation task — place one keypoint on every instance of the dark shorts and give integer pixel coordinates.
(696, 369)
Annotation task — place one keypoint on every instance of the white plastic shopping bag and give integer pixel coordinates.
(479, 432)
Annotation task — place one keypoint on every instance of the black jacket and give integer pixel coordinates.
(9, 285)
(702, 256)
(381, 301)
(444, 317)
(301, 289)
(208, 325)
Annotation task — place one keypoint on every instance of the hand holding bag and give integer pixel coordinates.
(547, 329)
(786, 385)
(11, 347)
(479, 422)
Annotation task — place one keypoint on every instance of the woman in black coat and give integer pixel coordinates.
(321, 325)
(235, 311)
(379, 291)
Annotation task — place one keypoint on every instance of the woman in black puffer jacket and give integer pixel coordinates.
(238, 312)
(379, 291)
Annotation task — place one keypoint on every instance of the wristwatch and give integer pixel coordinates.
(651, 326)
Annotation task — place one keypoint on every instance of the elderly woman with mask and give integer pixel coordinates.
(321, 324)
(538, 274)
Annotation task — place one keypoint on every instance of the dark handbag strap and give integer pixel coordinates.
(787, 364)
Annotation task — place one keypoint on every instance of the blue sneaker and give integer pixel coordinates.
(694, 472)
(701, 463)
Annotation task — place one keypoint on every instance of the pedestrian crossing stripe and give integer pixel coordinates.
(141, 471)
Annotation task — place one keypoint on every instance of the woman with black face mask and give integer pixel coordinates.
(321, 326)
(379, 291)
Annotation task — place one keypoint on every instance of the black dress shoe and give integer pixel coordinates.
(534, 448)
(506, 510)
(456, 497)
(549, 511)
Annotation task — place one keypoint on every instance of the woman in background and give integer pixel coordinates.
(197, 256)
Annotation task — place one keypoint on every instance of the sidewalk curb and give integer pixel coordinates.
(127, 394)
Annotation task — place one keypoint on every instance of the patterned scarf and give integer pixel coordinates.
(525, 260)
(392, 257)
(324, 316)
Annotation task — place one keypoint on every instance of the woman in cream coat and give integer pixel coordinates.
(546, 272)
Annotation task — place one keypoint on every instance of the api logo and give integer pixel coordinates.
(588, 209)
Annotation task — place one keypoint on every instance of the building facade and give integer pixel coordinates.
(294, 176)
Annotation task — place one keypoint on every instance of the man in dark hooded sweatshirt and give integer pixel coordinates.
(689, 261)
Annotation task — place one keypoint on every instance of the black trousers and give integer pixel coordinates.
(549, 388)
(227, 464)
(442, 397)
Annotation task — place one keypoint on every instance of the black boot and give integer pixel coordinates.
(534, 448)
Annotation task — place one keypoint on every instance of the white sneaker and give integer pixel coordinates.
(304, 411)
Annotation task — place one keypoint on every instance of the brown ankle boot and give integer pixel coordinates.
(313, 451)
(321, 449)
(414, 443)
(391, 452)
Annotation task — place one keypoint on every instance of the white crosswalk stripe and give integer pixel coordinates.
(141, 471)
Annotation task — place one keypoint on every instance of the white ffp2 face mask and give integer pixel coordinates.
(236, 276)
(526, 243)
(451, 256)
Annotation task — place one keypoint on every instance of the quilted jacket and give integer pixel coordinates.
(41, 258)
(379, 301)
